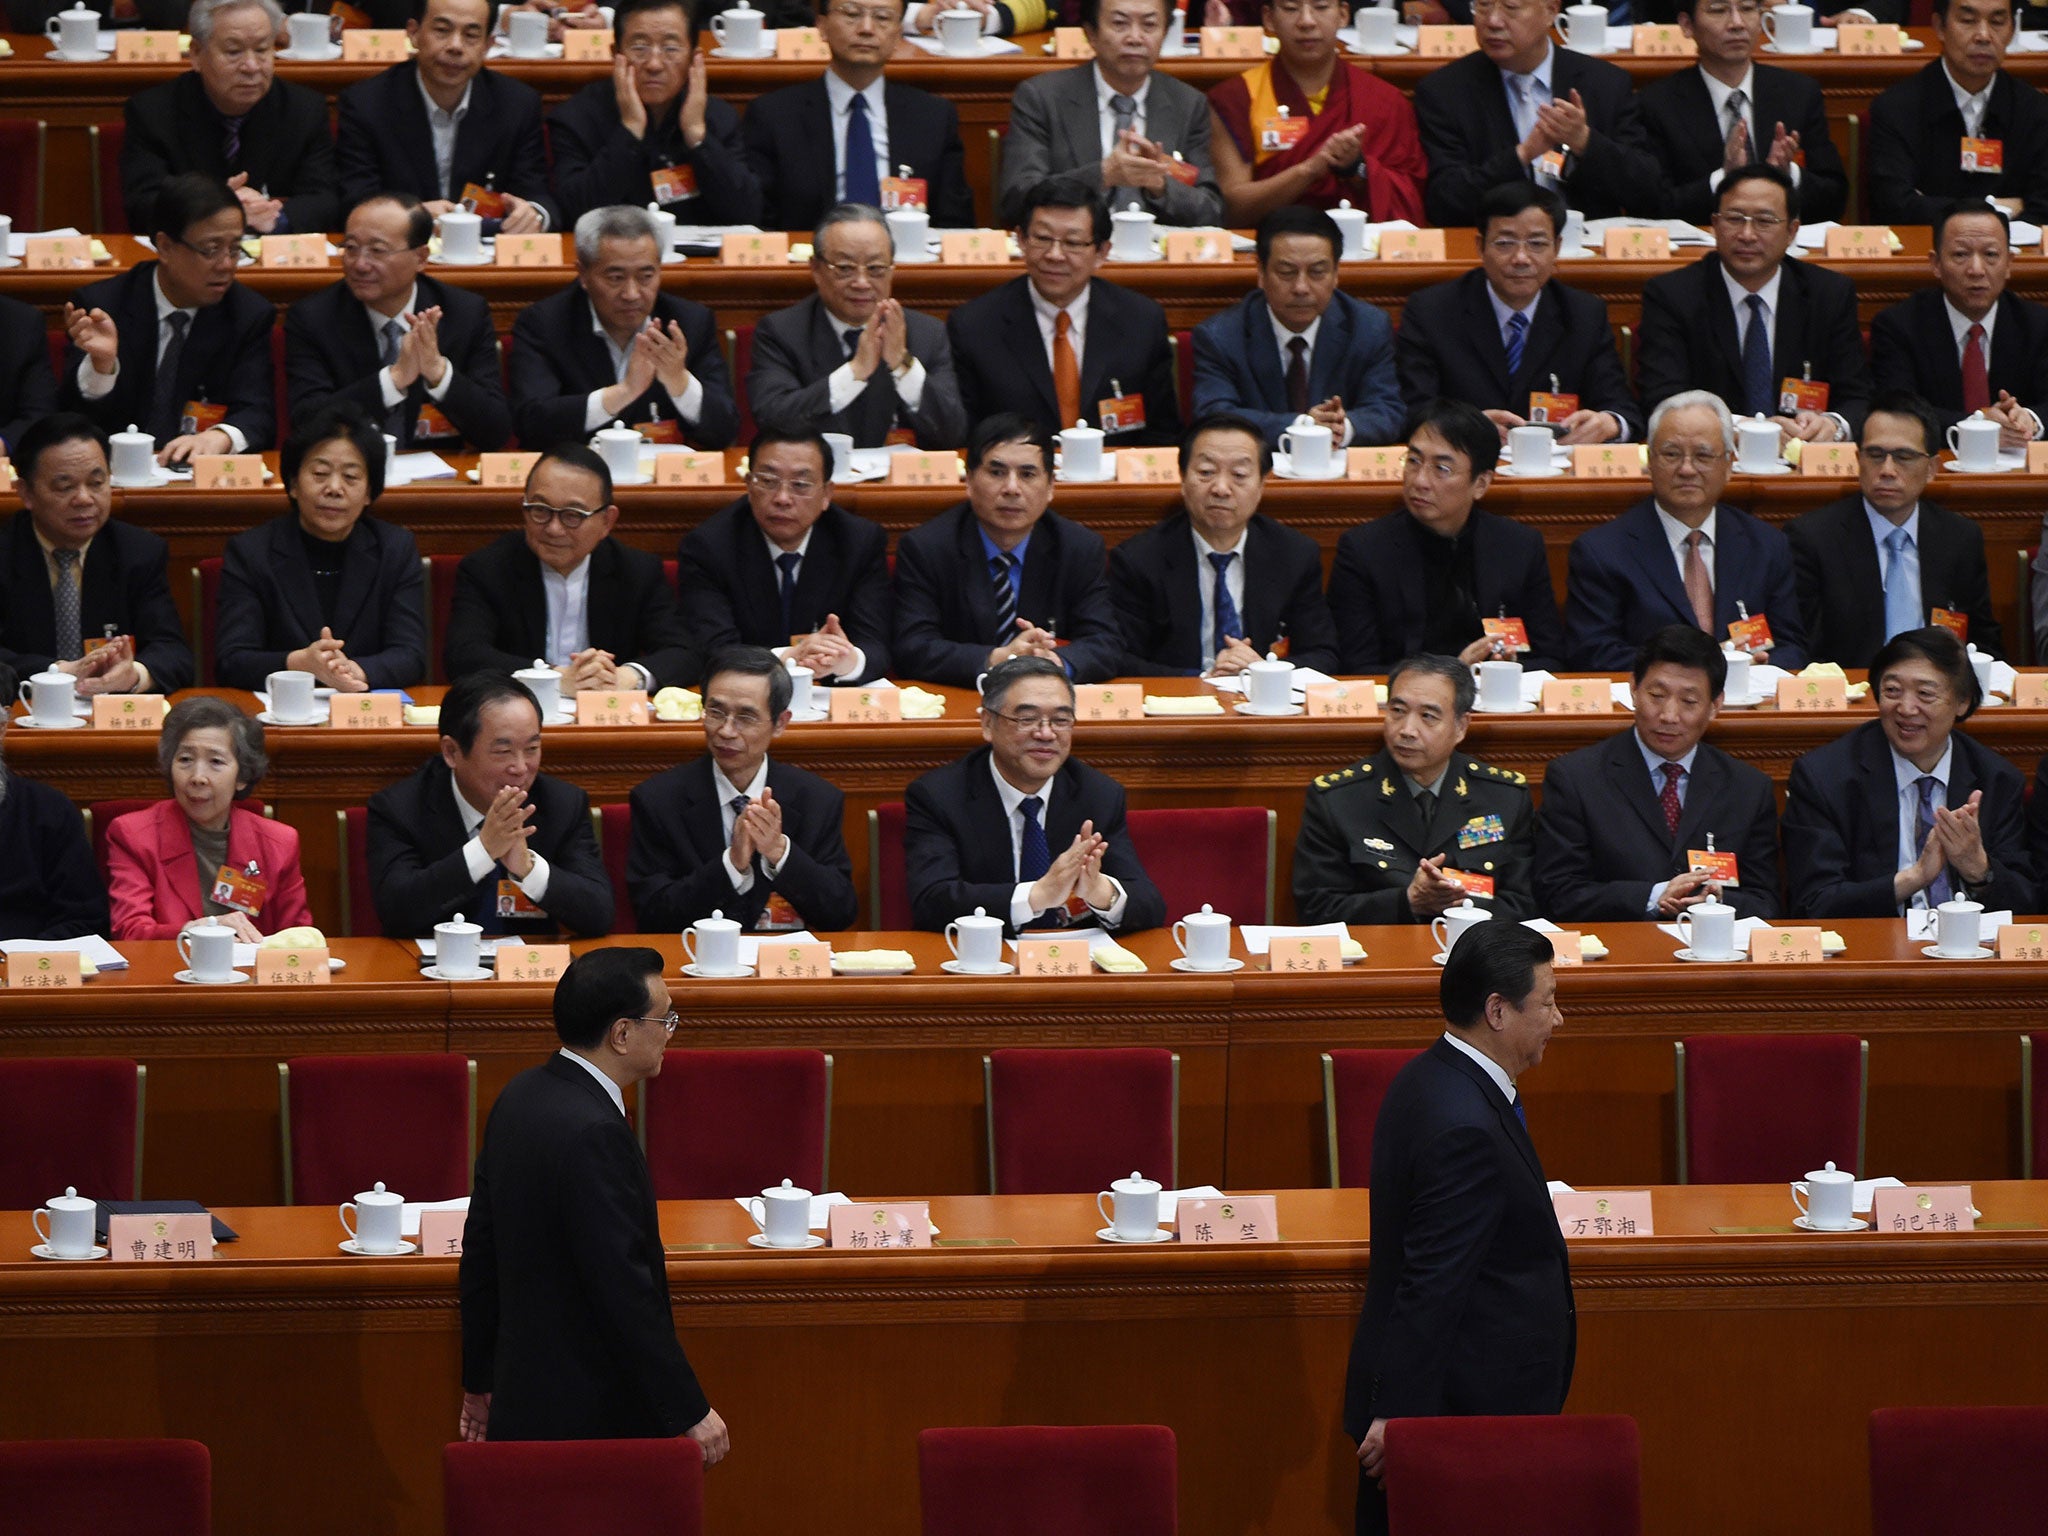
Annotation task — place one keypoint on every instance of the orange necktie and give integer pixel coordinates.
(1066, 372)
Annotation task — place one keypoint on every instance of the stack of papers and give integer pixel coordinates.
(1257, 940)
(1304, 679)
(409, 467)
(1681, 233)
(409, 1213)
(96, 950)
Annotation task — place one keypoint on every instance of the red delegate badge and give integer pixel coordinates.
(1121, 413)
(239, 890)
(673, 183)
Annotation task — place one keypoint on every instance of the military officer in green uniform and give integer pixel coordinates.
(1420, 826)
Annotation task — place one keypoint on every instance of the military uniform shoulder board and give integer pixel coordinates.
(1498, 775)
(1332, 780)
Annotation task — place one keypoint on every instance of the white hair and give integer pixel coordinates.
(1690, 399)
(622, 221)
(200, 20)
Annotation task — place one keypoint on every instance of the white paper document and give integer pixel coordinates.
(1170, 1199)
(409, 1213)
(1921, 924)
(407, 468)
(91, 946)
(1258, 939)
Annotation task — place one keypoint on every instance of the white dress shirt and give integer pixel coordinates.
(1738, 299)
(568, 600)
(859, 665)
(95, 385)
(534, 887)
(1077, 328)
(690, 407)
(1655, 763)
(1281, 337)
(839, 96)
(1959, 326)
(1105, 115)
(1503, 311)
(1971, 104)
(611, 1088)
(1881, 529)
(842, 388)
(391, 392)
(1492, 1068)
(1909, 809)
(1022, 913)
(1205, 576)
(1675, 533)
(1718, 94)
(743, 879)
(444, 125)
(1526, 95)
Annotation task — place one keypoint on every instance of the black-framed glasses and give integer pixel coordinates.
(213, 251)
(668, 1021)
(540, 514)
(1905, 458)
(1030, 721)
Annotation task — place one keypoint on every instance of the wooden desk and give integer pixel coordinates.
(326, 1386)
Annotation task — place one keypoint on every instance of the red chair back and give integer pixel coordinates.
(2033, 1113)
(358, 902)
(206, 613)
(669, 570)
(56, 341)
(888, 881)
(68, 1122)
(1762, 1109)
(1070, 1121)
(1577, 1475)
(23, 152)
(1088, 1480)
(91, 1487)
(614, 838)
(1958, 1471)
(1221, 855)
(1355, 1084)
(441, 603)
(1184, 373)
(104, 814)
(574, 1487)
(108, 206)
(718, 1125)
(742, 360)
(349, 1121)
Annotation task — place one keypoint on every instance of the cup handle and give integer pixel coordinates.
(1799, 1199)
(1684, 926)
(1954, 436)
(952, 930)
(690, 944)
(26, 693)
(1558, 28)
(1107, 1219)
(35, 1219)
(1442, 930)
(718, 30)
(760, 1216)
(1769, 31)
(52, 27)
(185, 949)
(343, 1211)
(1180, 938)
(1287, 444)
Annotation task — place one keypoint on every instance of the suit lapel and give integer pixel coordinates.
(1704, 789)
(359, 569)
(2008, 364)
(976, 587)
(702, 817)
(294, 577)
(1789, 353)
(1482, 332)
(1182, 581)
(137, 346)
(1260, 609)
(1628, 779)
(1333, 344)
(530, 601)
(990, 829)
(593, 355)
(1511, 1123)
(1721, 331)
(1261, 352)
(814, 574)
(409, 114)
(1027, 347)
(34, 618)
(1653, 557)
(1546, 335)
(1880, 791)
(1038, 591)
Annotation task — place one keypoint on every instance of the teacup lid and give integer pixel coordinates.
(981, 911)
(1303, 422)
(1343, 206)
(1137, 1183)
(786, 1190)
(1829, 1173)
(458, 924)
(377, 1194)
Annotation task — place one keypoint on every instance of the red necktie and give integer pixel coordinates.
(1976, 377)
(1669, 799)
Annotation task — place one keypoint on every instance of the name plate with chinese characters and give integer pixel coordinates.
(45, 253)
(441, 1233)
(534, 250)
(1604, 1213)
(299, 966)
(1941, 1208)
(690, 468)
(1052, 957)
(1565, 946)
(807, 961)
(1375, 463)
(1862, 242)
(1147, 466)
(129, 712)
(1785, 946)
(1607, 461)
(1446, 42)
(1071, 43)
(1231, 1219)
(864, 706)
(2037, 453)
(1867, 38)
(805, 44)
(1307, 952)
(1636, 245)
(922, 468)
(1412, 245)
(1233, 42)
(1357, 700)
(2030, 691)
(2023, 941)
(767, 249)
(614, 706)
(587, 45)
(1812, 695)
(366, 712)
(292, 251)
(532, 962)
(1660, 40)
(1196, 245)
(169, 1237)
(375, 45)
(1578, 696)
(903, 1225)
(1109, 701)
(147, 48)
(1834, 459)
(505, 470)
(974, 248)
(227, 471)
(55, 970)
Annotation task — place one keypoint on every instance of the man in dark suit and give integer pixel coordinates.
(613, 347)
(567, 1331)
(644, 134)
(563, 589)
(1962, 127)
(1424, 578)
(50, 887)
(1681, 555)
(1468, 1305)
(850, 358)
(1018, 828)
(447, 130)
(420, 357)
(177, 345)
(1001, 574)
(1506, 332)
(1731, 111)
(481, 832)
(1521, 108)
(28, 390)
(70, 576)
(735, 831)
(1873, 565)
(784, 567)
(1060, 344)
(1968, 347)
(1217, 584)
(1595, 863)
(874, 127)
(231, 120)
(1750, 322)
(1298, 347)
(1906, 811)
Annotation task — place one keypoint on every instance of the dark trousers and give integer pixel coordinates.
(1372, 1507)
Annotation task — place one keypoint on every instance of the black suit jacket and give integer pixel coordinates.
(1913, 348)
(384, 144)
(597, 164)
(946, 604)
(420, 877)
(1003, 364)
(1449, 344)
(732, 592)
(1690, 339)
(787, 135)
(676, 873)
(226, 359)
(124, 589)
(956, 842)
(1469, 135)
(28, 390)
(1156, 588)
(285, 150)
(331, 352)
(500, 614)
(1688, 140)
(1379, 600)
(50, 888)
(566, 1319)
(1916, 148)
(797, 350)
(557, 360)
(1238, 368)
(269, 605)
(1602, 842)
(1840, 573)
(1842, 827)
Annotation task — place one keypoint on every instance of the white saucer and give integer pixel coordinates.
(483, 260)
(1271, 714)
(1181, 963)
(810, 717)
(1554, 472)
(95, 57)
(235, 979)
(757, 54)
(348, 1245)
(1438, 958)
(636, 478)
(155, 482)
(1806, 1226)
(1687, 954)
(1795, 53)
(42, 1251)
(10, 261)
(1395, 52)
(760, 1240)
(1747, 701)
(1157, 1235)
(38, 725)
(293, 56)
(1933, 952)
(927, 259)
(703, 975)
(2003, 467)
(1779, 467)
(1066, 477)
(1526, 707)
(955, 968)
(868, 970)
(269, 719)
(1283, 466)
(437, 974)
(1152, 255)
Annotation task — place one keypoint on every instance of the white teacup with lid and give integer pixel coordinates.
(976, 941)
(909, 229)
(312, 35)
(70, 1232)
(208, 950)
(1133, 1216)
(1081, 452)
(739, 30)
(1456, 922)
(1307, 444)
(664, 229)
(526, 33)
(1203, 938)
(783, 1213)
(1531, 450)
(1707, 928)
(1790, 28)
(76, 32)
(1958, 928)
(1829, 1203)
(713, 944)
(1269, 685)
(462, 235)
(458, 946)
(959, 32)
(48, 696)
(378, 1217)
(545, 684)
(1375, 26)
(619, 446)
(1500, 686)
(1350, 221)
(1130, 234)
(1757, 440)
(134, 457)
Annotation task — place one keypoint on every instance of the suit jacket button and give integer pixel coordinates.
(1489, 863)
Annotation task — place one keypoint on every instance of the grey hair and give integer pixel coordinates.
(199, 22)
(846, 213)
(622, 221)
(1464, 692)
(997, 682)
(245, 735)
(1688, 399)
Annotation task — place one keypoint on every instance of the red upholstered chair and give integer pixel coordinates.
(614, 837)
(1761, 1109)
(105, 149)
(574, 1487)
(1958, 1471)
(23, 162)
(1183, 346)
(888, 883)
(1565, 1475)
(348, 1122)
(358, 904)
(440, 603)
(99, 816)
(1086, 1480)
(70, 1122)
(717, 1125)
(2033, 1114)
(1355, 1084)
(1222, 855)
(1070, 1121)
(739, 357)
(671, 570)
(205, 612)
(92, 1487)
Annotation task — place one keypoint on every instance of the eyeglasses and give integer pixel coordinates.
(1905, 458)
(718, 714)
(1031, 722)
(1044, 244)
(847, 271)
(1672, 458)
(1762, 223)
(213, 251)
(668, 1021)
(540, 514)
(640, 53)
(1507, 245)
(772, 485)
(350, 251)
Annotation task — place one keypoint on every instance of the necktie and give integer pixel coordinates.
(1699, 586)
(1738, 111)
(64, 603)
(1426, 803)
(1517, 342)
(1006, 600)
(397, 420)
(1066, 371)
(1673, 772)
(1521, 1110)
(1034, 856)
(165, 409)
(863, 181)
(1228, 624)
(1923, 828)
(1976, 377)
(1124, 112)
(787, 560)
(739, 804)
(1901, 603)
(231, 143)
(1758, 398)
(1297, 374)
(853, 339)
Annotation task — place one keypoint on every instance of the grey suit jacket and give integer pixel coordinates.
(1056, 130)
(796, 351)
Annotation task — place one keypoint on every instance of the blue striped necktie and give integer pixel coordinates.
(1518, 340)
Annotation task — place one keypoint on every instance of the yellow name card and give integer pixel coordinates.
(147, 48)
(1233, 42)
(768, 249)
(129, 712)
(801, 43)
(505, 469)
(292, 251)
(689, 468)
(537, 250)
(375, 45)
(227, 471)
(1859, 242)
(586, 45)
(1412, 245)
(973, 248)
(936, 468)
(366, 712)
(1636, 245)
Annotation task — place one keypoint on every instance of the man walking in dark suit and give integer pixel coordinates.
(1468, 1305)
(1594, 863)
(1018, 828)
(735, 831)
(1884, 561)
(567, 1330)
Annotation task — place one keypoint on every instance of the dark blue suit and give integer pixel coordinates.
(1238, 368)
